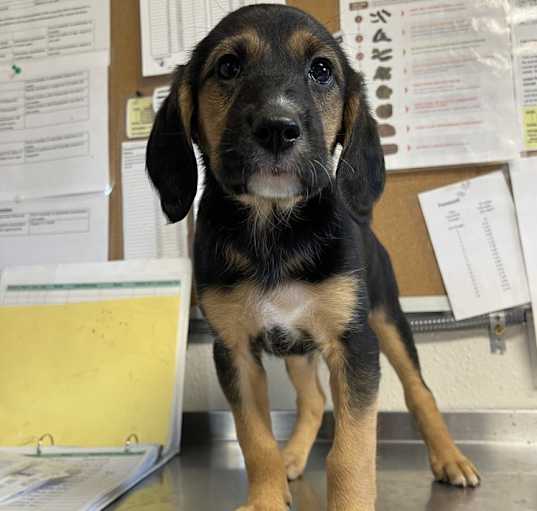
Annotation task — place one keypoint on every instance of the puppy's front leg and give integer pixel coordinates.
(351, 463)
(243, 381)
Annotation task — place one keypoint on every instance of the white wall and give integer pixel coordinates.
(458, 367)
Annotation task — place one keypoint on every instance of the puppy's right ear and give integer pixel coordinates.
(170, 158)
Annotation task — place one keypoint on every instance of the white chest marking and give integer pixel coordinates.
(286, 307)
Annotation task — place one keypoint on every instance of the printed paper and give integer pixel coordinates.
(58, 230)
(473, 229)
(171, 29)
(96, 477)
(54, 128)
(439, 78)
(524, 25)
(36, 29)
(140, 117)
(146, 232)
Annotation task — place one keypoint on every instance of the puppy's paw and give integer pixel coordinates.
(271, 501)
(295, 463)
(263, 507)
(452, 467)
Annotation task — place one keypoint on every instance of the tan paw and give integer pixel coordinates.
(270, 503)
(295, 463)
(263, 507)
(455, 469)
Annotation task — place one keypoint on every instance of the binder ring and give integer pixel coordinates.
(132, 438)
(40, 441)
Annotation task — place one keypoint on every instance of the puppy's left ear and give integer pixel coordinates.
(170, 158)
(361, 173)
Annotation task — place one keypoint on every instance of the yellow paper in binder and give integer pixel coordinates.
(89, 373)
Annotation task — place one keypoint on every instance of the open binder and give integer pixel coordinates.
(92, 360)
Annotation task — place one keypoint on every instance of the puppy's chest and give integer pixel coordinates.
(294, 313)
(284, 319)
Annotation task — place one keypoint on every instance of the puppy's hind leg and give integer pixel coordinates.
(310, 402)
(397, 343)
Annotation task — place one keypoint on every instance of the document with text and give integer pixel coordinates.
(146, 232)
(56, 230)
(171, 29)
(54, 128)
(439, 78)
(91, 478)
(524, 26)
(36, 29)
(473, 229)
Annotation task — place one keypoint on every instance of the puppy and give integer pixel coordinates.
(285, 259)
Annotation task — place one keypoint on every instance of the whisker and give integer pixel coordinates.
(348, 164)
(323, 167)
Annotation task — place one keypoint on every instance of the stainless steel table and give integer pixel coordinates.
(210, 476)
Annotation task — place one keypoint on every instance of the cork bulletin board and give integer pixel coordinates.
(398, 221)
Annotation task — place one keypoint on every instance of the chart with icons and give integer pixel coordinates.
(439, 79)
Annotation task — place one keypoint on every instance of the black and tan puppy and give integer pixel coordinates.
(285, 260)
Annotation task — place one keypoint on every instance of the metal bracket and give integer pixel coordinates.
(532, 345)
(497, 325)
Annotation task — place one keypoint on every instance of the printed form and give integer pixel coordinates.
(171, 29)
(54, 128)
(524, 25)
(439, 78)
(35, 29)
(474, 233)
(65, 230)
(146, 232)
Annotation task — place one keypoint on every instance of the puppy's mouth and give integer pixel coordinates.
(274, 184)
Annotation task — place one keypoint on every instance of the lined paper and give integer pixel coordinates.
(147, 233)
(171, 29)
(473, 229)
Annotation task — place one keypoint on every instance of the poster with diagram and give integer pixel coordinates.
(439, 78)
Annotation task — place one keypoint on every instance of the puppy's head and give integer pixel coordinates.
(267, 96)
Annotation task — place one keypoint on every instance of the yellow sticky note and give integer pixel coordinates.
(140, 117)
(530, 128)
(88, 373)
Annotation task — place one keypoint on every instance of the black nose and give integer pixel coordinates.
(276, 133)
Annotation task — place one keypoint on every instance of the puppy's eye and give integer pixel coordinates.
(321, 71)
(228, 67)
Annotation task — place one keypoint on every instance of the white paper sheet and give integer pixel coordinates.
(34, 29)
(524, 182)
(439, 78)
(146, 232)
(474, 232)
(27, 478)
(95, 475)
(54, 128)
(524, 26)
(171, 28)
(57, 230)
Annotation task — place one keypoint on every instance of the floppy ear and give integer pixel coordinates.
(170, 158)
(361, 173)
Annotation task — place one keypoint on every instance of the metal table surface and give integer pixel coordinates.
(210, 476)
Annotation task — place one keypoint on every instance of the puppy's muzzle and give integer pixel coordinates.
(277, 131)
